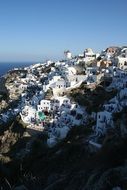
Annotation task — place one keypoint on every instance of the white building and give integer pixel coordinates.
(71, 70)
(60, 83)
(28, 113)
(124, 51)
(89, 55)
(44, 105)
(68, 54)
(104, 120)
(75, 79)
(55, 104)
(112, 107)
(59, 87)
(23, 86)
(123, 93)
(34, 100)
(62, 132)
(122, 63)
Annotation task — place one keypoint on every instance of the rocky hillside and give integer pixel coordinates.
(70, 165)
(27, 163)
(91, 99)
(3, 91)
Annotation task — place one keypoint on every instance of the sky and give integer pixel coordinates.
(35, 30)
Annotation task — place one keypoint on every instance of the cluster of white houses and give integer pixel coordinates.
(65, 75)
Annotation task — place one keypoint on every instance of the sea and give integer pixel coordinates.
(5, 67)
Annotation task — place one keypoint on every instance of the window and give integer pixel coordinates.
(125, 63)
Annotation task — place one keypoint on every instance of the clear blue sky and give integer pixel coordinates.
(33, 30)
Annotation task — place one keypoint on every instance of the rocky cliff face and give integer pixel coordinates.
(11, 135)
(70, 165)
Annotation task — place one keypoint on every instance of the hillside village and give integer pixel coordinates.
(43, 94)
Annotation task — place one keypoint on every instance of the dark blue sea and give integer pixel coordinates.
(5, 67)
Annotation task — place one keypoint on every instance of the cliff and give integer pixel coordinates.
(70, 165)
